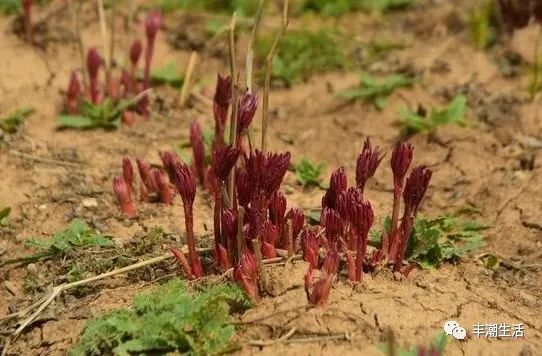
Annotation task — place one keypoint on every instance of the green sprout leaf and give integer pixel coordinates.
(4, 213)
(301, 54)
(433, 242)
(308, 173)
(11, 123)
(436, 347)
(453, 114)
(376, 91)
(105, 115)
(77, 236)
(172, 318)
(167, 75)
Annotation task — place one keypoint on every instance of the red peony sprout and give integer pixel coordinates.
(163, 186)
(152, 25)
(318, 292)
(337, 184)
(135, 54)
(269, 239)
(127, 205)
(221, 104)
(246, 274)
(415, 189)
(148, 185)
(401, 158)
(170, 160)
(185, 182)
(94, 61)
(277, 208)
(128, 174)
(362, 220)
(73, 94)
(310, 247)
(367, 163)
(245, 113)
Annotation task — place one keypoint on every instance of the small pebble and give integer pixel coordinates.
(10, 287)
(42, 207)
(89, 202)
(31, 268)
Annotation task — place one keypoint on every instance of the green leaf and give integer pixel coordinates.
(491, 262)
(308, 173)
(74, 121)
(444, 239)
(454, 113)
(376, 91)
(77, 236)
(11, 123)
(168, 74)
(4, 213)
(172, 318)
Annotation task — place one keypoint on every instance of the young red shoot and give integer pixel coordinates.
(368, 161)
(246, 274)
(127, 205)
(73, 94)
(165, 190)
(94, 61)
(221, 104)
(185, 182)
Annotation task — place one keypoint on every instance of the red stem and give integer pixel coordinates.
(398, 188)
(361, 251)
(191, 242)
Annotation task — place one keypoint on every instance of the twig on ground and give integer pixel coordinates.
(187, 78)
(267, 73)
(283, 338)
(44, 160)
(341, 336)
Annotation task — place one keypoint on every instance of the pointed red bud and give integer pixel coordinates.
(135, 52)
(224, 159)
(401, 158)
(128, 174)
(368, 161)
(416, 186)
(127, 205)
(246, 274)
(245, 112)
(165, 189)
(146, 176)
(277, 208)
(152, 25)
(185, 182)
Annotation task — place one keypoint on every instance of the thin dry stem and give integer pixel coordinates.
(263, 343)
(103, 30)
(187, 78)
(240, 237)
(267, 79)
(79, 40)
(252, 40)
(112, 38)
(233, 119)
(259, 260)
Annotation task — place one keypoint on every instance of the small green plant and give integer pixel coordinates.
(170, 319)
(421, 121)
(4, 213)
(308, 173)
(300, 54)
(77, 236)
(11, 123)
(377, 91)
(483, 33)
(167, 75)
(340, 7)
(444, 239)
(242, 7)
(105, 115)
(435, 348)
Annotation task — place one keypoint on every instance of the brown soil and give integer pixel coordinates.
(492, 168)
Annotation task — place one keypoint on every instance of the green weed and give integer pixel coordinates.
(308, 173)
(376, 91)
(170, 319)
(11, 123)
(301, 54)
(422, 121)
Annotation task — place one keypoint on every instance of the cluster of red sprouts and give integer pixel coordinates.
(251, 220)
(126, 85)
